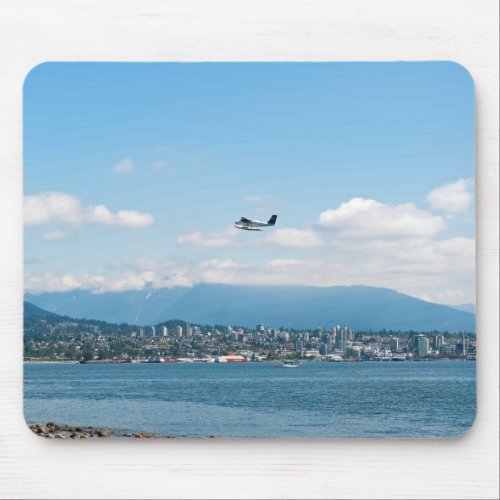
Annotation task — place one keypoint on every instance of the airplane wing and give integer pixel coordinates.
(245, 220)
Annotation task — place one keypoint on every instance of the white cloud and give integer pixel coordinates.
(219, 264)
(284, 263)
(48, 207)
(216, 239)
(454, 296)
(45, 207)
(291, 237)
(49, 282)
(100, 214)
(124, 167)
(452, 198)
(439, 271)
(130, 280)
(369, 243)
(54, 235)
(361, 218)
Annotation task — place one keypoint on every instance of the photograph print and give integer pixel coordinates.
(249, 250)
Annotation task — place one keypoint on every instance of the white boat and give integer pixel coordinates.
(289, 363)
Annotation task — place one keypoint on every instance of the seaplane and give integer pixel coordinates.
(254, 225)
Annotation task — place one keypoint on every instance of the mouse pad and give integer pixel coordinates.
(249, 250)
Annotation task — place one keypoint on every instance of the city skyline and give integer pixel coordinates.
(138, 171)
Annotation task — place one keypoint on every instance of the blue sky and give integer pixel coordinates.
(134, 174)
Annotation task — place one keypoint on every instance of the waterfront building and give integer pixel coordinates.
(341, 343)
(461, 347)
(353, 351)
(445, 350)
(299, 345)
(328, 344)
(333, 335)
(421, 345)
(437, 341)
(394, 344)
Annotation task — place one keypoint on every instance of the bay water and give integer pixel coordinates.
(426, 399)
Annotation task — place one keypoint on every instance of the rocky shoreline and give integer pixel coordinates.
(52, 430)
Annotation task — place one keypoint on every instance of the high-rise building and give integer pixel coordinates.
(394, 344)
(350, 333)
(299, 345)
(341, 343)
(189, 332)
(153, 331)
(165, 331)
(178, 331)
(260, 327)
(421, 345)
(141, 332)
(328, 344)
(461, 347)
(333, 335)
(437, 341)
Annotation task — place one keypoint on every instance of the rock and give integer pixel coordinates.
(212, 436)
(52, 426)
(42, 429)
(103, 432)
(145, 435)
(60, 436)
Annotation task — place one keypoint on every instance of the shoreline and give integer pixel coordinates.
(108, 362)
(52, 430)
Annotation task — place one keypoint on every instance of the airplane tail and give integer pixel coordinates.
(272, 220)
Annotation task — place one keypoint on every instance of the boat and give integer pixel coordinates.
(288, 363)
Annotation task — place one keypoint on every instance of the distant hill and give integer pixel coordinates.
(32, 311)
(360, 307)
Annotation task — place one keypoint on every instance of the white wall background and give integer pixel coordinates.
(34, 31)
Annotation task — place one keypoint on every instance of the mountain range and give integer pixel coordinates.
(362, 308)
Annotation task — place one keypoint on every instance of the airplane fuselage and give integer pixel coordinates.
(254, 225)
